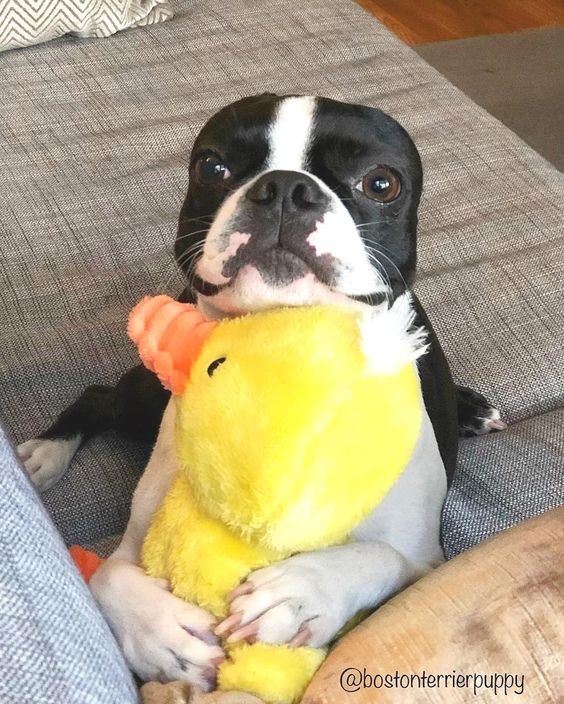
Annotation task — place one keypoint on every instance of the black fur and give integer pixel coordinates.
(349, 140)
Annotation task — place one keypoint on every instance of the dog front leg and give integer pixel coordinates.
(162, 637)
(308, 598)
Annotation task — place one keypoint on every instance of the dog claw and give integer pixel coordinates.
(244, 633)
(228, 624)
(241, 590)
(301, 637)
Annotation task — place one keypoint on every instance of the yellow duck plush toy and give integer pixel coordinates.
(292, 425)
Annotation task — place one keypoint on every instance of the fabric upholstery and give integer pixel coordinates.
(27, 22)
(55, 646)
(514, 76)
(504, 479)
(93, 171)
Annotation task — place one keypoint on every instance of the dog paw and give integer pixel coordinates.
(476, 416)
(163, 638)
(285, 603)
(47, 460)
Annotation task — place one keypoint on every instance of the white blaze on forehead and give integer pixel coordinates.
(290, 133)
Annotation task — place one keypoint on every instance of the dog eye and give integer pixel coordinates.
(215, 364)
(210, 169)
(381, 184)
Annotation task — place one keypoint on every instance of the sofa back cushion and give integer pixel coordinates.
(23, 23)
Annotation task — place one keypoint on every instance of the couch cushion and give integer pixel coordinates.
(24, 23)
(94, 167)
(504, 479)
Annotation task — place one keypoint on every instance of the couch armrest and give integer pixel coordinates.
(54, 644)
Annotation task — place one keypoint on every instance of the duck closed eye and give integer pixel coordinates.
(215, 364)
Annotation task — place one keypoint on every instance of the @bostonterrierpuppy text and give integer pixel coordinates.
(353, 679)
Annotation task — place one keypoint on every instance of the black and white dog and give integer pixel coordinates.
(292, 201)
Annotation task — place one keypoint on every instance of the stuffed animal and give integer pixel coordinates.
(86, 561)
(291, 426)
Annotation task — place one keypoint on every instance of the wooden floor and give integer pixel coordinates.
(420, 21)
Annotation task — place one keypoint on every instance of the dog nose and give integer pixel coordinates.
(291, 190)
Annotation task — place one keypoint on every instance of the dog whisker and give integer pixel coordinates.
(381, 272)
(192, 253)
(192, 234)
(202, 218)
(193, 258)
(168, 276)
(373, 244)
(374, 252)
(380, 221)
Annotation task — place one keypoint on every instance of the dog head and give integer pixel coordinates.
(296, 201)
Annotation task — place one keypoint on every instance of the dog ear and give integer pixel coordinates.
(169, 336)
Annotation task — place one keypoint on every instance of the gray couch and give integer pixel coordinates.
(93, 170)
(55, 647)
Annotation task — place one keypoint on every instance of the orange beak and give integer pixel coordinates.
(169, 336)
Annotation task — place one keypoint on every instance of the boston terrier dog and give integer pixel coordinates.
(292, 201)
